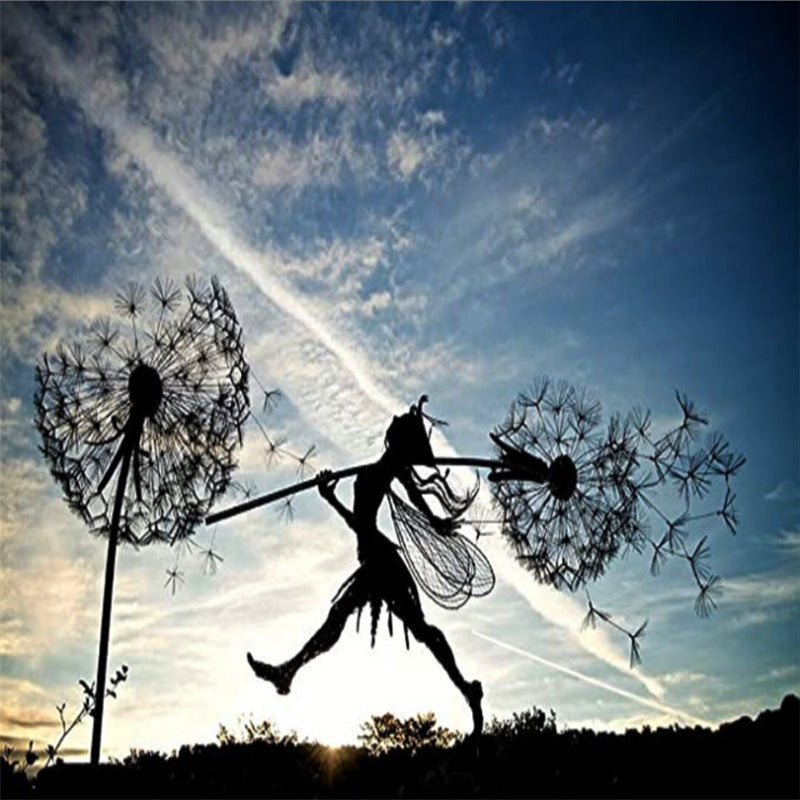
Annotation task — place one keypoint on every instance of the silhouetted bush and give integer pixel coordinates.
(384, 732)
(524, 756)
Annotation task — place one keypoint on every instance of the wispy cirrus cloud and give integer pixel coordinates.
(788, 541)
(41, 197)
(763, 589)
(787, 672)
(305, 85)
(645, 701)
(682, 677)
(392, 212)
(38, 315)
(563, 72)
(426, 152)
(783, 492)
(188, 194)
(316, 162)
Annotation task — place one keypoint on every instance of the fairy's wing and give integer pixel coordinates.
(449, 568)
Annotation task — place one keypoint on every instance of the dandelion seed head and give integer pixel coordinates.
(170, 381)
(576, 495)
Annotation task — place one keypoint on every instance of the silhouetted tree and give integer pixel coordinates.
(384, 732)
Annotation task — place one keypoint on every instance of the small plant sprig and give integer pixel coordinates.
(30, 759)
(87, 709)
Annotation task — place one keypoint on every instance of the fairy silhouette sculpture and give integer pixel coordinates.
(448, 567)
(572, 496)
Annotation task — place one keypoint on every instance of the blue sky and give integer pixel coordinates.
(402, 199)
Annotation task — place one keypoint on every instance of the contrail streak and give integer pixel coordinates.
(608, 687)
(189, 194)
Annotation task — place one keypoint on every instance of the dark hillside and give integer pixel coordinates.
(525, 756)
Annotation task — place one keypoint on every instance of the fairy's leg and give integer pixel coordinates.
(322, 641)
(435, 641)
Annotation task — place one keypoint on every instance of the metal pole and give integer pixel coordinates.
(248, 505)
(108, 593)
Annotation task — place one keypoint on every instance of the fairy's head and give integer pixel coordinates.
(406, 438)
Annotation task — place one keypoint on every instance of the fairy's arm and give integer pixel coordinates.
(327, 488)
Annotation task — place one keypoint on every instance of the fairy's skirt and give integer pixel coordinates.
(383, 577)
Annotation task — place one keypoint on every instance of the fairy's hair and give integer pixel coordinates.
(408, 439)
(446, 565)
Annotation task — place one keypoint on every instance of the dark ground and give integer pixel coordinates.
(522, 757)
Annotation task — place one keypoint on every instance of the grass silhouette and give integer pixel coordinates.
(523, 756)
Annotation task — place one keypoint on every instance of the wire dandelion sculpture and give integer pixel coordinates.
(157, 401)
(600, 491)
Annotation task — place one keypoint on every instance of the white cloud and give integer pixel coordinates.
(762, 590)
(568, 73)
(432, 118)
(578, 126)
(317, 161)
(11, 405)
(605, 686)
(306, 85)
(37, 316)
(790, 671)
(498, 27)
(48, 576)
(682, 677)
(782, 492)
(47, 604)
(191, 46)
(564, 73)
(425, 153)
(375, 302)
(749, 618)
(533, 232)
(40, 199)
(789, 541)
(407, 154)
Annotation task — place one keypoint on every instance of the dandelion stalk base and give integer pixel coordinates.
(108, 594)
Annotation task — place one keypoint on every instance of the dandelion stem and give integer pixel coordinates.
(108, 594)
(248, 505)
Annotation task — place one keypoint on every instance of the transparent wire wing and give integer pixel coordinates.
(449, 568)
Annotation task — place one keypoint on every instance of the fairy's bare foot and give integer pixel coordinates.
(279, 677)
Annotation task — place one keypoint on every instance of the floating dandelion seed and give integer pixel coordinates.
(185, 547)
(480, 522)
(286, 510)
(271, 398)
(245, 488)
(174, 577)
(161, 405)
(303, 462)
(273, 449)
(574, 495)
(211, 557)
